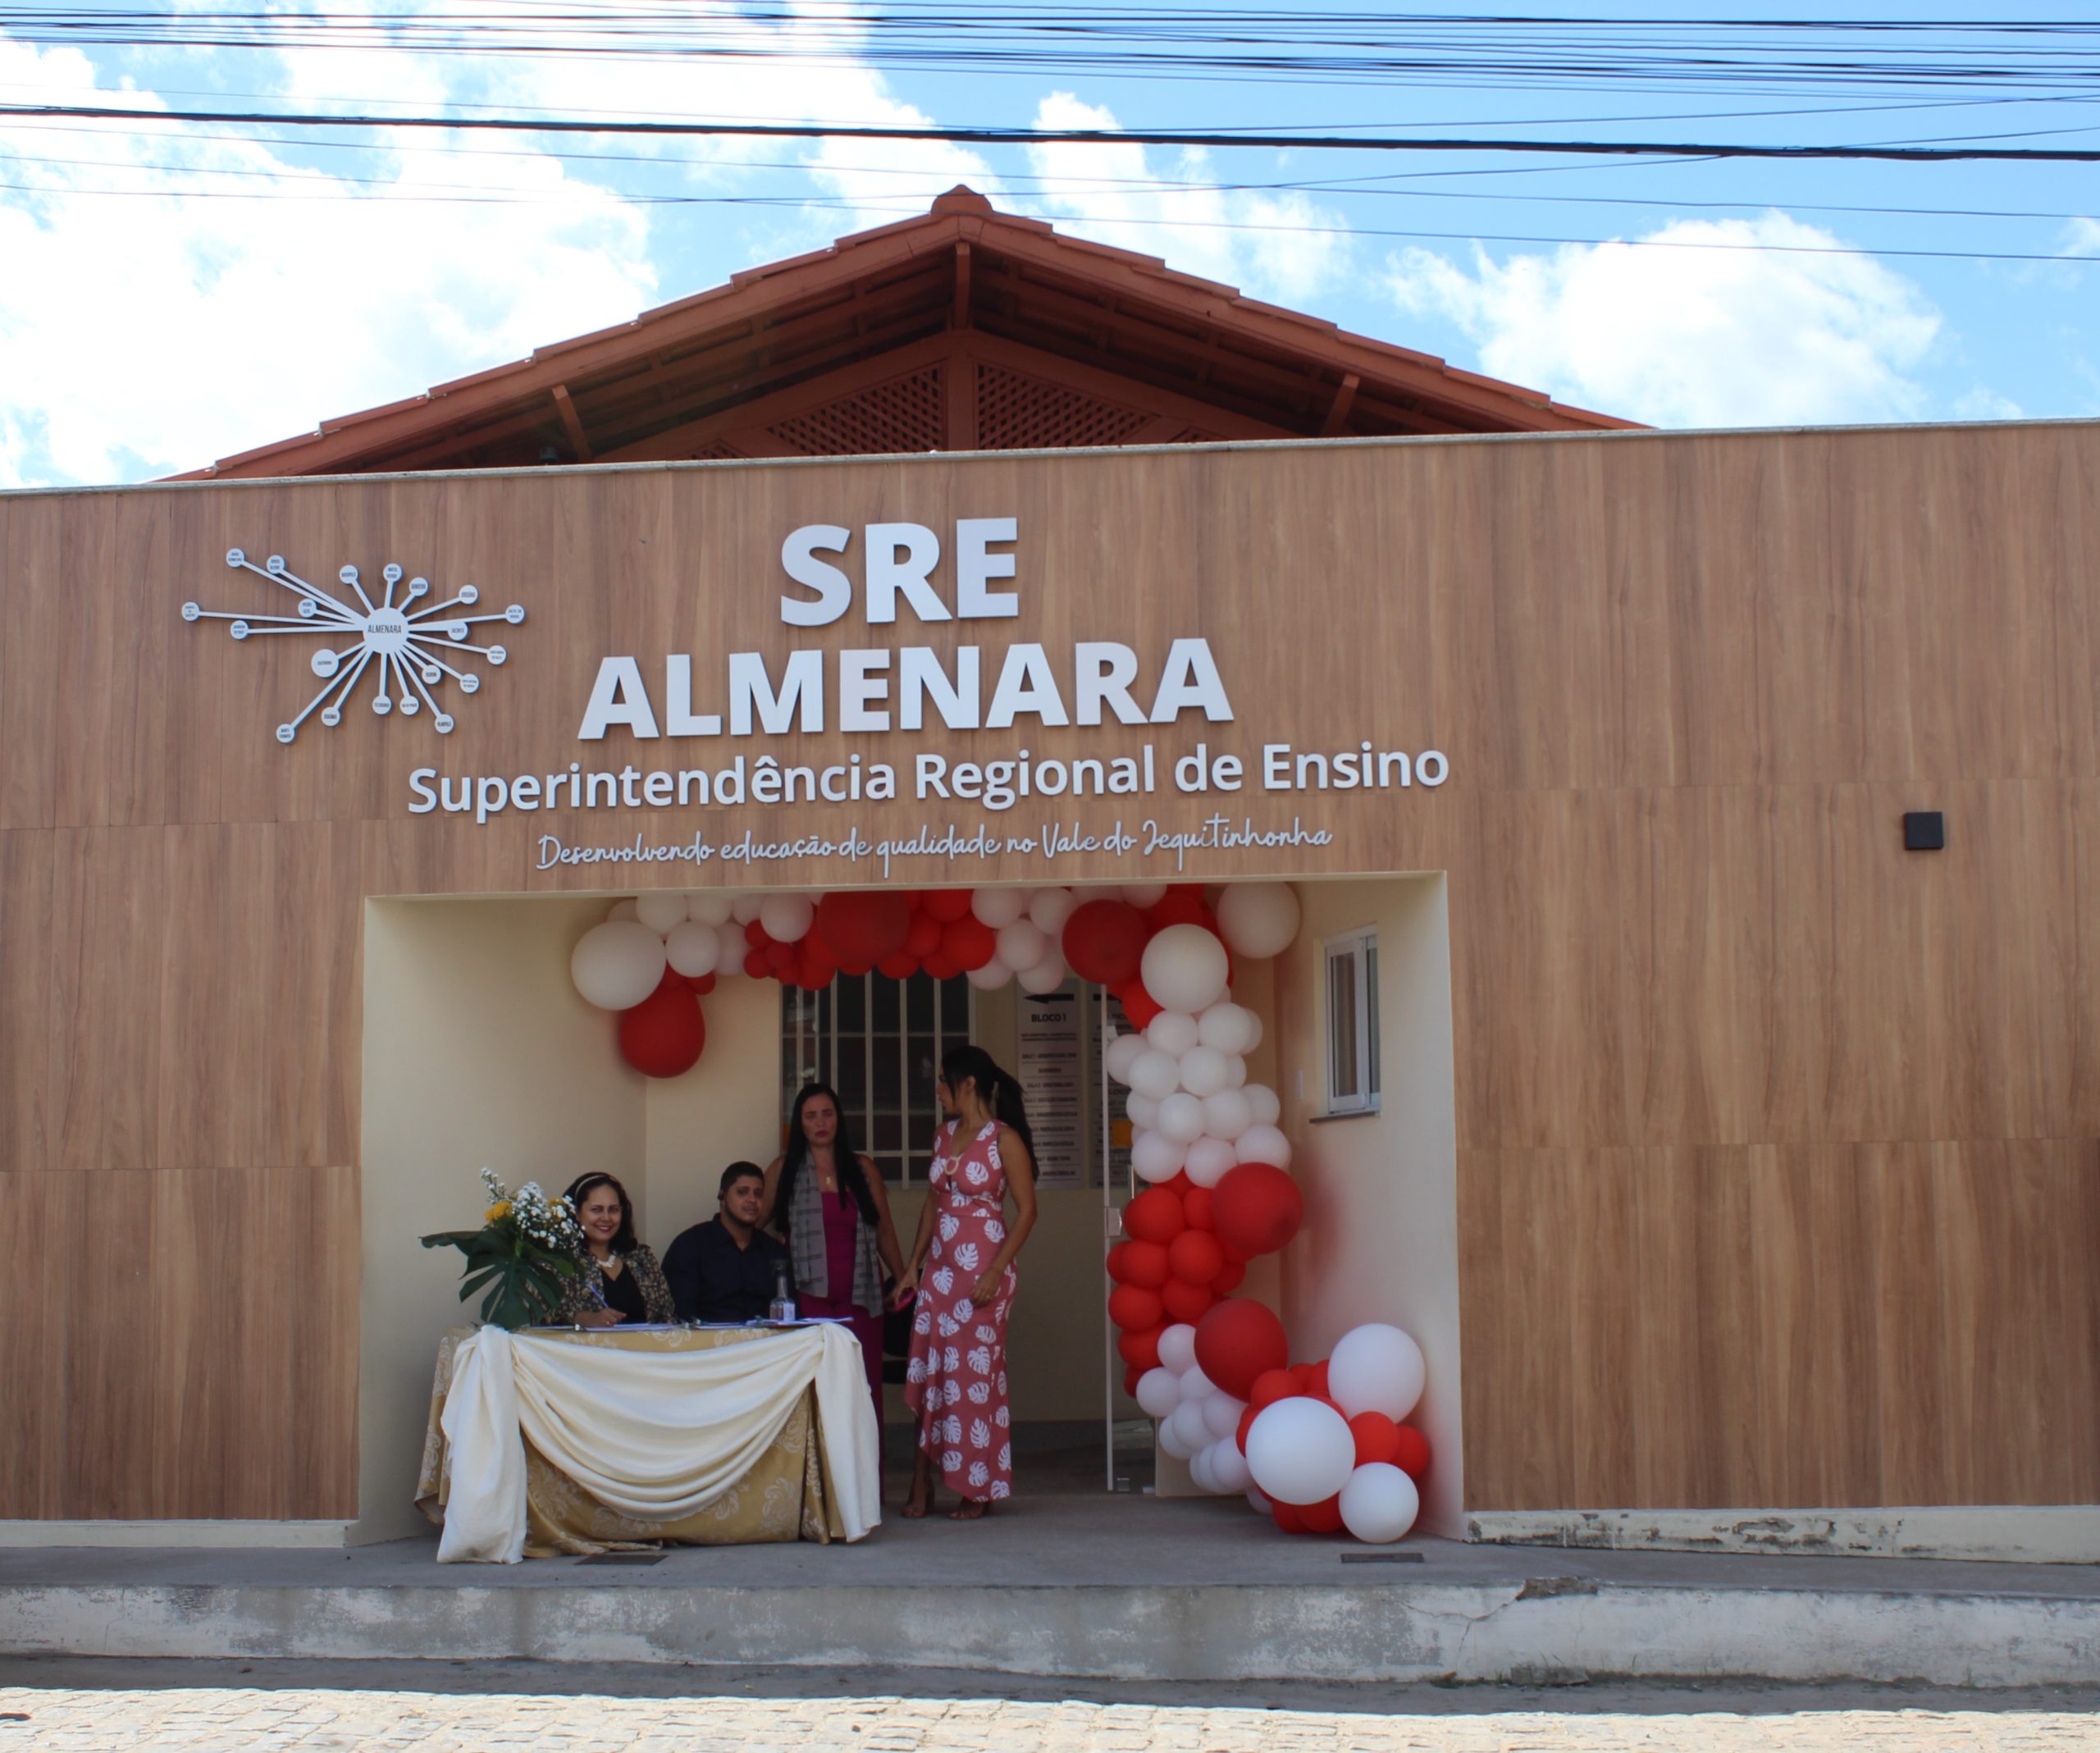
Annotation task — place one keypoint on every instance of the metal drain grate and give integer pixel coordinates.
(623, 1557)
(1381, 1557)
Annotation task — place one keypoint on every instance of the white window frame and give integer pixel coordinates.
(1357, 951)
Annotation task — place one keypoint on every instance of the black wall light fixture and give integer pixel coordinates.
(1924, 831)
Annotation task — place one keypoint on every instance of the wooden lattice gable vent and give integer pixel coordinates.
(1015, 411)
(904, 414)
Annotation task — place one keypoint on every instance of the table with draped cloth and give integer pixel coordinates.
(557, 1442)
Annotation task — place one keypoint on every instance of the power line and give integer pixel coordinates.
(994, 136)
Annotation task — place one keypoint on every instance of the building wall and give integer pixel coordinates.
(1776, 1173)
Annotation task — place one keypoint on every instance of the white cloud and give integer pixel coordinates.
(2081, 237)
(1692, 336)
(1097, 192)
(1981, 403)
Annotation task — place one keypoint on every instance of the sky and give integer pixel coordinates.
(170, 294)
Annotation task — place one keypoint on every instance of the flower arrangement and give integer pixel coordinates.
(523, 1255)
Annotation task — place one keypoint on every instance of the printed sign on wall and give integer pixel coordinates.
(1052, 1071)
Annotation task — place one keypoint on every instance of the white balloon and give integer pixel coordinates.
(1379, 1503)
(1173, 1444)
(1172, 1032)
(1230, 1028)
(734, 947)
(1000, 907)
(991, 976)
(745, 908)
(1227, 1114)
(1154, 1074)
(1255, 1501)
(1051, 908)
(1262, 1104)
(1159, 1392)
(1142, 1110)
(661, 910)
(1144, 894)
(1123, 1053)
(1047, 976)
(623, 909)
(1300, 1451)
(1229, 1467)
(1177, 1348)
(1209, 1161)
(1180, 1117)
(1235, 1071)
(1263, 1144)
(1204, 1071)
(1258, 918)
(1375, 1369)
(1184, 968)
(693, 949)
(1022, 946)
(707, 906)
(1199, 1470)
(1221, 1412)
(1154, 1157)
(617, 964)
(1186, 1420)
(786, 917)
(1195, 1385)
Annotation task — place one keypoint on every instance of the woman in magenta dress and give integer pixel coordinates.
(827, 1201)
(962, 1269)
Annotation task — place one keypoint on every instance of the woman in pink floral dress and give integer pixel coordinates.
(962, 1268)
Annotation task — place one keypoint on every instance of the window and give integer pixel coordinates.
(1353, 1023)
(878, 1043)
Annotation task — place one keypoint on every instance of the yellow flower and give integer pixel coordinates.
(498, 1212)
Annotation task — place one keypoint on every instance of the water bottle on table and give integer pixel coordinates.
(782, 1305)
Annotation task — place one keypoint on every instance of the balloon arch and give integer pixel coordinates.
(1321, 1447)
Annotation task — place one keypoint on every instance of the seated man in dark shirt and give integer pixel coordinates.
(727, 1268)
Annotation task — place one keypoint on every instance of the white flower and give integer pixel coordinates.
(1002, 1417)
(965, 1257)
(981, 1434)
(980, 1392)
(980, 1359)
(995, 1232)
(944, 1279)
(1000, 1489)
(950, 1223)
(980, 1475)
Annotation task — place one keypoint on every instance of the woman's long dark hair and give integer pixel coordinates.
(851, 1175)
(999, 1090)
(625, 1241)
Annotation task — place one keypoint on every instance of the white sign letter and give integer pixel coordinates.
(678, 719)
(920, 677)
(802, 683)
(1102, 674)
(834, 589)
(1025, 685)
(863, 681)
(1189, 679)
(973, 567)
(899, 555)
(618, 697)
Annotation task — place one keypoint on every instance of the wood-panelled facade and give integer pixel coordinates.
(1778, 1146)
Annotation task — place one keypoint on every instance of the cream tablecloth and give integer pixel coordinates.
(550, 1442)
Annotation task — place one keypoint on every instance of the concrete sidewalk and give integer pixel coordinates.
(1139, 1589)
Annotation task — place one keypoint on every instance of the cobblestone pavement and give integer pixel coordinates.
(59, 1719)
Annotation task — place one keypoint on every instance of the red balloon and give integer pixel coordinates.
(1154, 1215)
(1196, 1208)
(1272, 1385)
(700, 983)
(1410, 1451)
(1118, 1259)
(780, 957)
(1288, 1518)
(969, 941)
(754, 934)
(1139, 1005)
(755, 964)
(1186, 1302)
(1180, 1187)
(1246, 1424)
(1195, 1257)
(1377, 1437)
(1136, 1310)
(1234, 1275)
(1257, 1208)
(1240, 1341)
(855, 969)
(1316, 1380)
(939, 967)
(945, 904)
(664, 1035)
(900, 967)
(1144, 1264)
(1324, 1517)
(864, 925)
(1182, 905)
(924, 936)
(1104, 941)
(1139, 1350)
(1131, 1372)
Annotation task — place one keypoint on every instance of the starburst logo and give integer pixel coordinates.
(405, 652)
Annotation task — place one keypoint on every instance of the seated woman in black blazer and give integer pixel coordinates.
(620, 1280)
